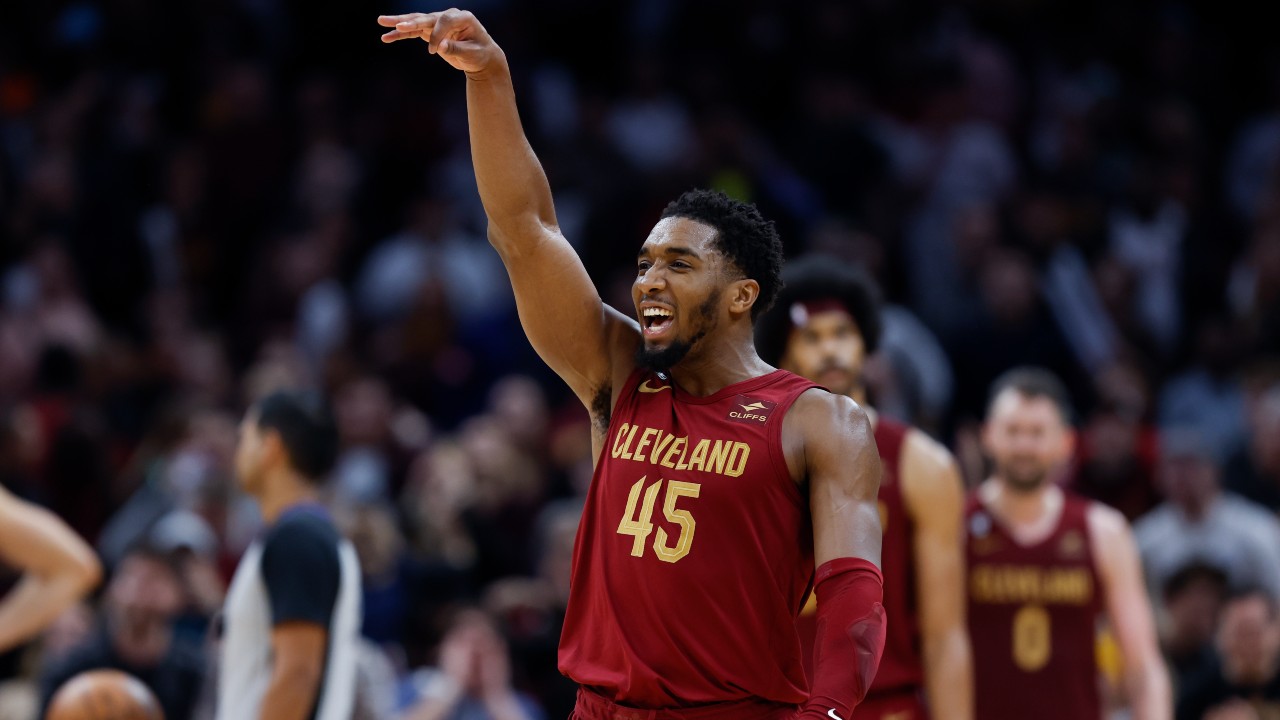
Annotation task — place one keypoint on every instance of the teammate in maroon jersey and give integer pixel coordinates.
(719, 483)
(824, 325)
(1043, 566)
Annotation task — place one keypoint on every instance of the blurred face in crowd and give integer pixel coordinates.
(144, 596)
(678, 291)
(829, 350)
(1027, 439)
(1189, 480)
(1249, 640)
(1193, 612)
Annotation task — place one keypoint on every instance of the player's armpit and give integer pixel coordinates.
(934, 496)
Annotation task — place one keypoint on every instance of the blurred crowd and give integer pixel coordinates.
(202, 201)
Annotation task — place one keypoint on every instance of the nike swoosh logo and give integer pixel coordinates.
(832, 714)
(644, 387)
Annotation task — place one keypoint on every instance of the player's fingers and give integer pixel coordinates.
(395, 35)
(393, 20)
(449, 21)
(457, 49)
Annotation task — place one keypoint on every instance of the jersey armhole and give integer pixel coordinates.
(777, 454)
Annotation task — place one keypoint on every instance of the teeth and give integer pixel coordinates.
(657, 312)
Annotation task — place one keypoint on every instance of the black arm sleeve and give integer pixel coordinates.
(301, 571)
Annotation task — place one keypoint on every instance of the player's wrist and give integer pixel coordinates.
(496, 69)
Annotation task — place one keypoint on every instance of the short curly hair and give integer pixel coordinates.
(819, 277)
(749, 241)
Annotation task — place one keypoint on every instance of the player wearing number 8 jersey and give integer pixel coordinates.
(720, 482)
(1043, 566)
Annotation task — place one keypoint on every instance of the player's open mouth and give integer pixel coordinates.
(655, 321)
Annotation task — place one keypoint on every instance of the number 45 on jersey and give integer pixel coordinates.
(637, 520)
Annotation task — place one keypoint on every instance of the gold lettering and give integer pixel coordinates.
(737, 459)
(618, 441)
(1022, 584)
(664, 439)
(684, 452)
(626, 447)
(673, 451)
(719, 454)
(699, 459)
(645, 439)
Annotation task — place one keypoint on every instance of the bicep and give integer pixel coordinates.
(569, 326)
(843, 470)
(298, 647)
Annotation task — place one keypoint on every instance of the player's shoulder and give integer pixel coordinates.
(820, 411)
(301, 528)
(929, 476)
(1104, 522)
(926, 453)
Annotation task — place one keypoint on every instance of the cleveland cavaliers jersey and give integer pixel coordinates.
(1033, 618)
(901, 667)
(695, 551)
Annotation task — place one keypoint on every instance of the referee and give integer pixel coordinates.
(292, 614)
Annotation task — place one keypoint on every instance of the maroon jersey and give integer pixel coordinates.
(1033, 618)
(695, 551)
(901, 668)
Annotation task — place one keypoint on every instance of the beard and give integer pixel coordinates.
(1023, 477)
(662, 359)
(848, 381)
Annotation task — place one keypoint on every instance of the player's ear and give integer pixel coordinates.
(1069, 437)
(743, 295)
(272, 450)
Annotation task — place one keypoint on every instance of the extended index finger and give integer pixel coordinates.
(393, 20)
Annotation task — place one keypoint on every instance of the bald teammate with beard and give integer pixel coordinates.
(1044, 567)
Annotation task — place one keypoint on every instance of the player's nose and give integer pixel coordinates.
(651, 280)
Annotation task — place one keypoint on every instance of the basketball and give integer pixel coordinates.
(104, 695)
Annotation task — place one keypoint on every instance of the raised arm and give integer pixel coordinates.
(571, 328)
(58, 569)
(838, 459)
(934, 496)
(1145, 676)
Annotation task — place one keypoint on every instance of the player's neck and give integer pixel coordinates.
(283, 492)
(1029, 514)
(712, 370)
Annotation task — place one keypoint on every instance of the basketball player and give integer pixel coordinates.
(292, 613)
(58, 569)
(824, 325)
(1043, 566)
(719, 481)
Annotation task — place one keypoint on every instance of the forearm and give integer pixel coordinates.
(512, 185)
(290, 696)
(850, 641)
(34, 603)
(948, 666)
(1149, 691)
